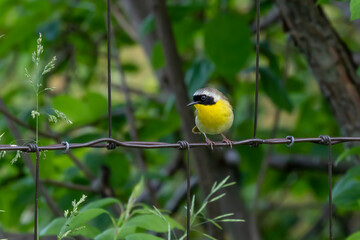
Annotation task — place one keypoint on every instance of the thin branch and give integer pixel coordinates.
(73, 186)
(123, 23)
(81, 166)
(291, 163)
(270, 18)
(140, 93)
(115, 113)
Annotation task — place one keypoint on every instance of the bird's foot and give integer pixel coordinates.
(226, 140)
(211, 143)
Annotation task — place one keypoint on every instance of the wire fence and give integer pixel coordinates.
(107, 142)
(111, 143)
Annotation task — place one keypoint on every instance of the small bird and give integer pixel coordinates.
(213, 113)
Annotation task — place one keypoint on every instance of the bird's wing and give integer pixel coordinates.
(195, 130)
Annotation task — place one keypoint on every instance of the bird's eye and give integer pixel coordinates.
(203, 98)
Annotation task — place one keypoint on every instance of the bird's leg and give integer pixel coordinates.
(226, 140)
(208, 141)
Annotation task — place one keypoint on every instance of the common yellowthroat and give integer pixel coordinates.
(213, 113)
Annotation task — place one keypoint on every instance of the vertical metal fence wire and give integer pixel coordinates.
(108, 24)
(188, 193)
(330, 164)
(257, 65)
(33, 147)
(184, 145)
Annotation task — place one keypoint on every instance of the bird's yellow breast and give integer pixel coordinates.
(215, 118)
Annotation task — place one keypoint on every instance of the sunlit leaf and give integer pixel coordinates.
(355, 9)
(355, 236)
(142, 236)
(54, 227)
(152, 223)
(101, 203)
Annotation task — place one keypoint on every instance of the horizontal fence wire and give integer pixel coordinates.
(103, 143)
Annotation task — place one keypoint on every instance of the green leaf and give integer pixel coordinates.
(208, 236)
(54, 227)
(354, 9)
(157, 56)
(198, 74)
(275, 90)
(227, 42)
(152, 223)
(101, 203)
(346, 192)
(76, 110)
(97, 104)
(142, 236)
(138, 189)
(87, 231)
(85, 216)
(109, 233)
(355, 236)
(348, 152)
(232, 220)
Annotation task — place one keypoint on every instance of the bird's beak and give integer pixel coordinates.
(192, 103)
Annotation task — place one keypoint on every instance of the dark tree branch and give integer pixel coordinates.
(291, 163)
(72, 186)
(177, 86)
(140, 92)
(101, 119)
(123, 23)
(328, 57)
(270, 18)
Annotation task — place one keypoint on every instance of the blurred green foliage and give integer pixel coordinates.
(218, 49)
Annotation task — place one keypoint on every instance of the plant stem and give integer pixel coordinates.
(37, 118)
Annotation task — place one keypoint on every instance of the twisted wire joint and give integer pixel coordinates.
(183, 145)
(325, 139)
(33, 147)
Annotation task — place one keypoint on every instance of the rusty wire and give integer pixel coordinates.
(101, 143)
